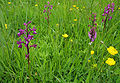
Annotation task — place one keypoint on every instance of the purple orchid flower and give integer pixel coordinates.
(47, 10)
(34, 30)
(34, 45)
(21, 32)
(27, 37)
(92, 34)
(26, 56)
(20, 42)
(48, 2)
(107, 11)
(44, 11)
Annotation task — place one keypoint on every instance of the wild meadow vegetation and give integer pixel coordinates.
(66, 41)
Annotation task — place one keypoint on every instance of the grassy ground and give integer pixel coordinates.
(57, 59)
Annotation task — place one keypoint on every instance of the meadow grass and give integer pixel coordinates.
(58, 59)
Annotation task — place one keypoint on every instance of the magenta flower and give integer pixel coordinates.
(44, 11)
(45, 6)
(25, 24)
(48, 2)
(34, 30)
(51, 7)
(110, 18)
(92, 34)
(21, 32)
(29, 22)
(109, 9)
(26, 56)
(27, 37)
(20, 42)
(34, 45)
(93, 19)
(47, 10)
(46, 18)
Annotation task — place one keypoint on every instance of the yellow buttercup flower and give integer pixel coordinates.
(65, 35)
(6, 26)
(75, 19)
(77, 8)
(71, 9)
(36, 5)
(119, 8)
(110, 61)
(112, 50)
(74, 5)
(9, 2)
(92, 52)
